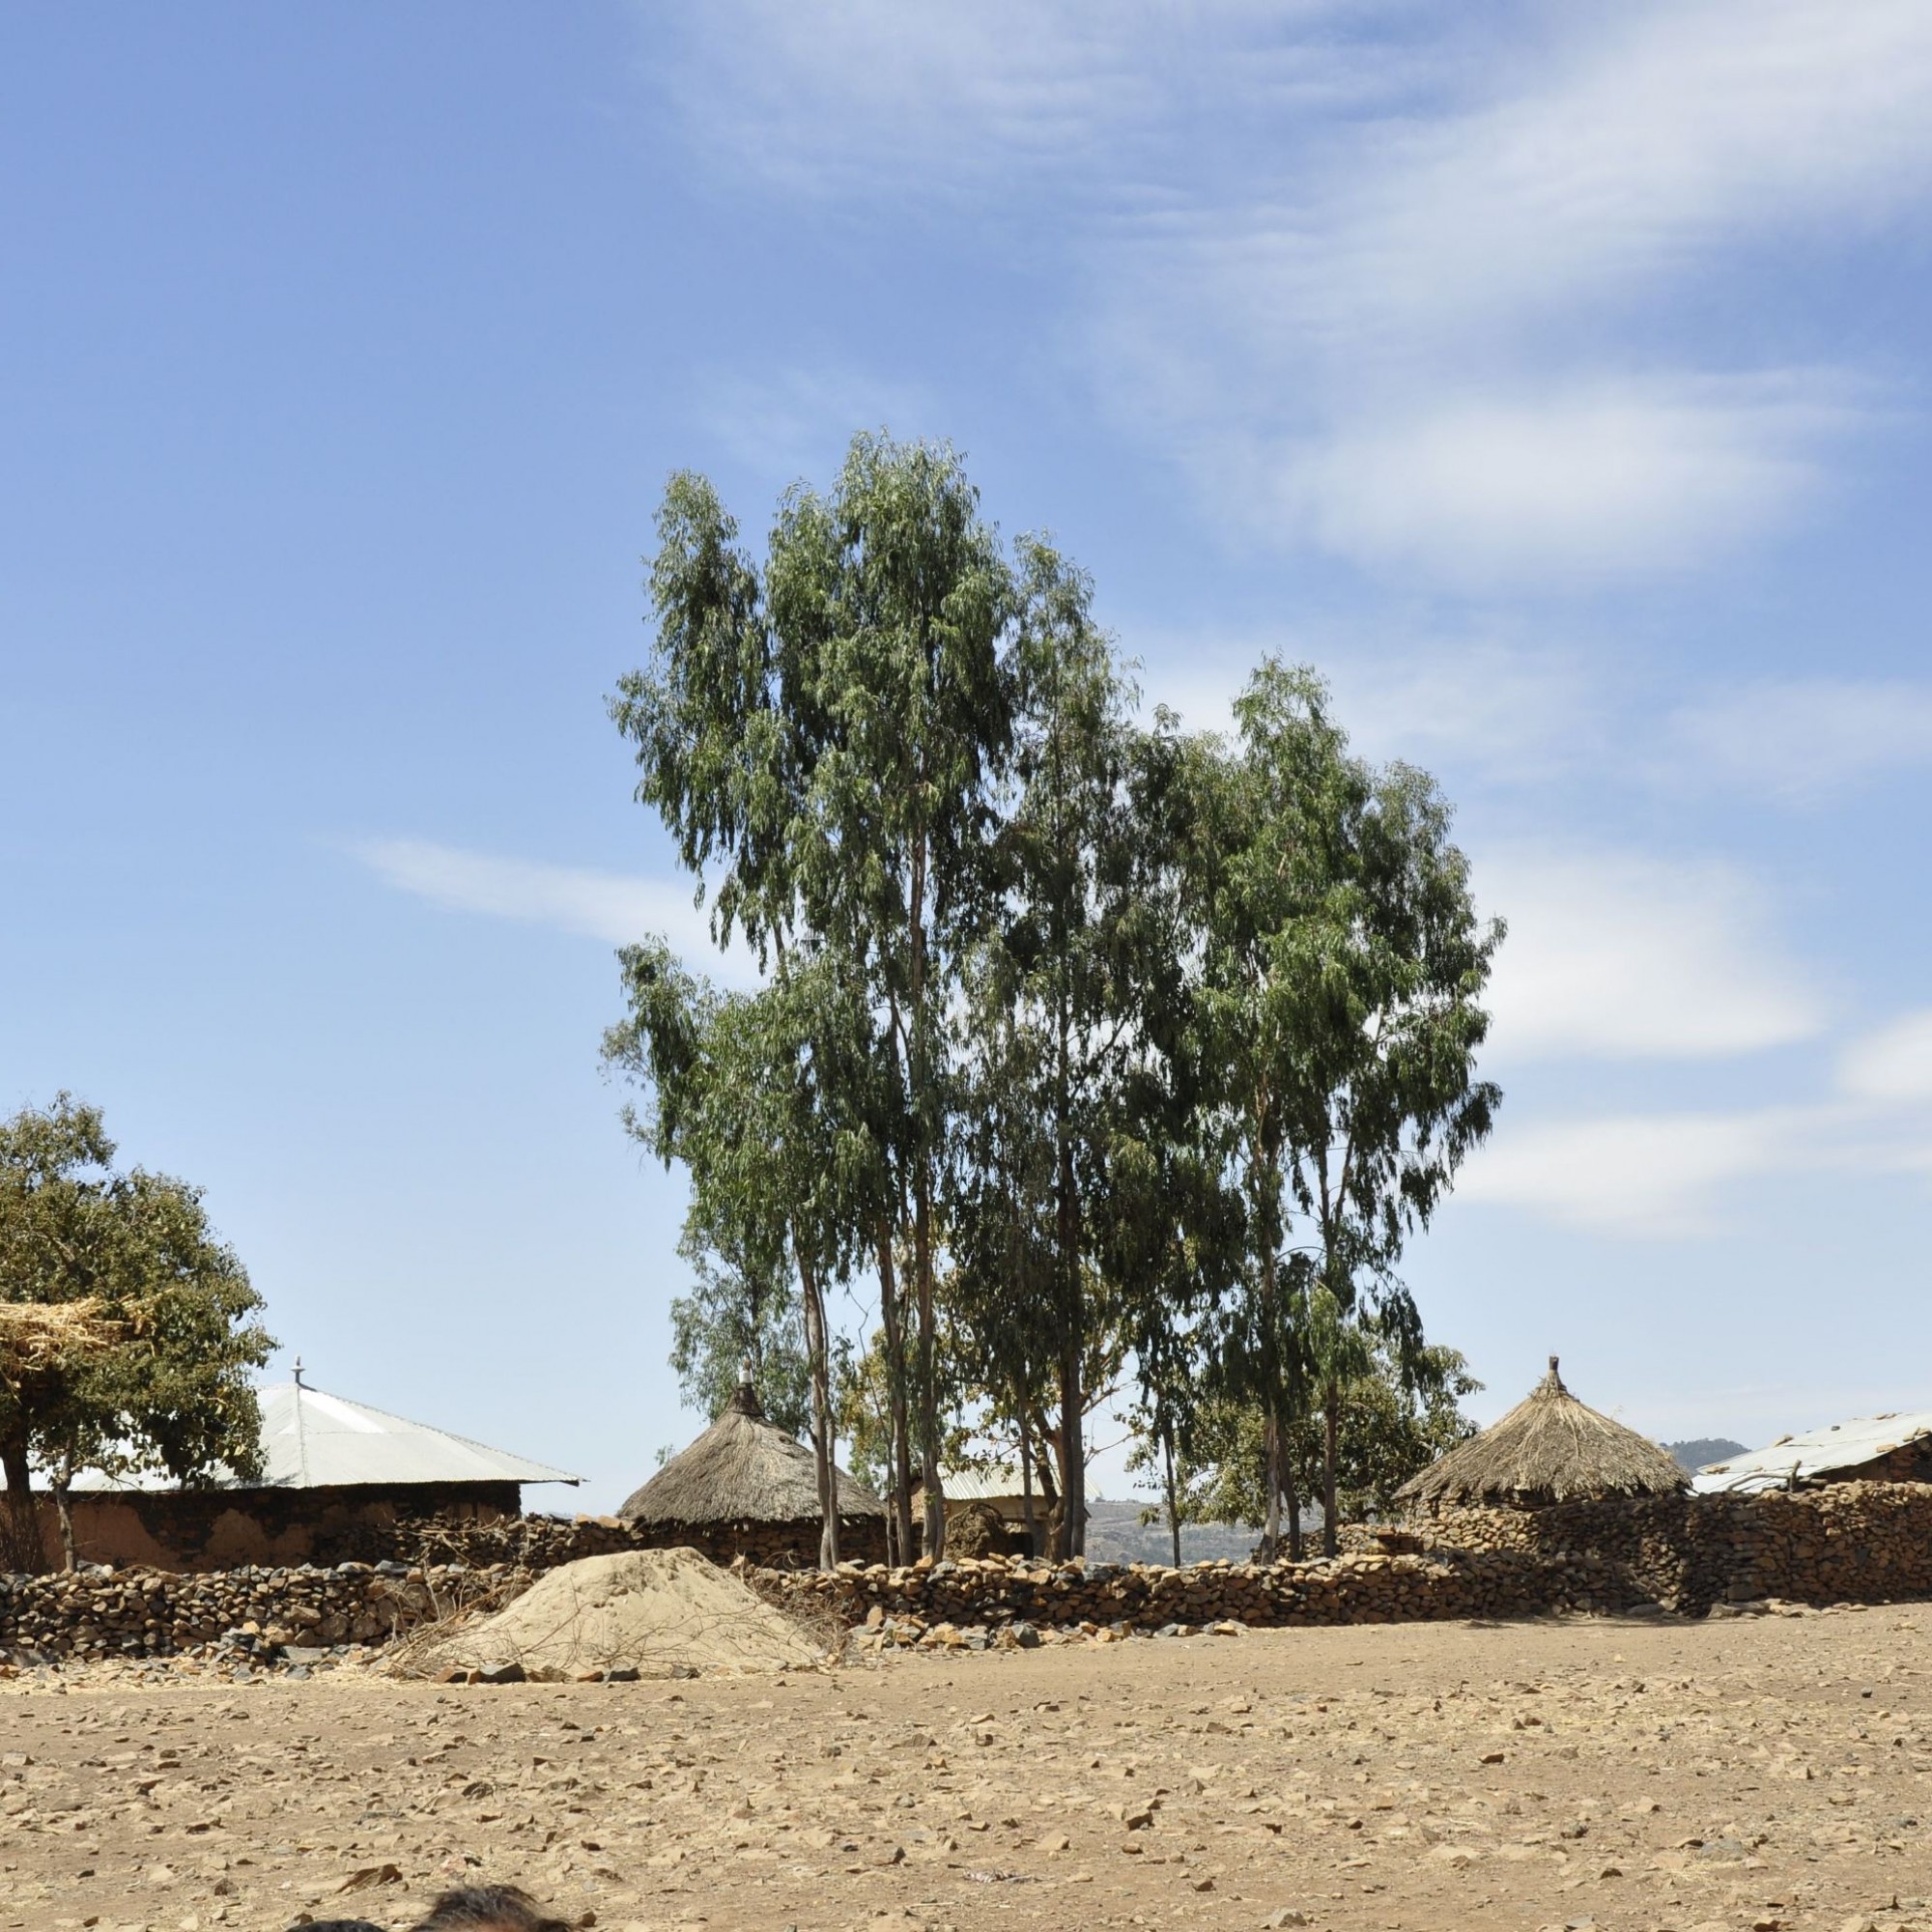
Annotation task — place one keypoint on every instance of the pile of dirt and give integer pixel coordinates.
(660, 1612)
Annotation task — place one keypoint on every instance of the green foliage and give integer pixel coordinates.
(1393, 1424)
(129, 1257)
(725, 1326)
(1101, 1045)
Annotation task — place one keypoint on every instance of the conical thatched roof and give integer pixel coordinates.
(742, 1470)
(1549, 1448)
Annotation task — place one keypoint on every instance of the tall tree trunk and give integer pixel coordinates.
(891, 1325)
(1026, 1487)
(929, 1370)
(1331, 1422)
(1294, 1551)
(819, 1356)
(61, 1483)
(1072, 1324)
(920, 1065)
(1172, 1499)
(1272, 1478)
(21, 1548)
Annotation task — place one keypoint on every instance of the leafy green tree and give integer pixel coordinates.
(1074, 1001)
(128, 1330)
(1398, 1414)
(1344, 970)
(827, 734)
(743, 1090)
(732, 1327)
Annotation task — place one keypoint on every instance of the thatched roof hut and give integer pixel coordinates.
(742, 1472)
(1549, 1448)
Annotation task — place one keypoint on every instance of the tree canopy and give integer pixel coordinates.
(127, 1329)
(1104, 1052)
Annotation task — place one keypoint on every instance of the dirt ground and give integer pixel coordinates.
(1737, 1773)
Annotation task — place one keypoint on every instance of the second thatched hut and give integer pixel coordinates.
(747, 1488)
(1549, 1448)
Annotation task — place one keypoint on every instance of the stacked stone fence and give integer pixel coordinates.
(544, 1542)
(1855, 1543)
(1844, 1543)
(96, 1612)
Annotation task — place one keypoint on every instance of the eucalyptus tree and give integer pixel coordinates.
(1072, 1005)
(127, 1329)
(1384, 1099)
(745, 1090)
(827, 732)
(1344, 966)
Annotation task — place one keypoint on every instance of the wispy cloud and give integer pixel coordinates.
(1618, 954)
(617, 907)
(872, 99)
(1802, 740)
(1651, 1174)
(1492, 710)
(1407, 286)
(1893, 1066)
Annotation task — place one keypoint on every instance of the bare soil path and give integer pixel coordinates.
(1753, 1773)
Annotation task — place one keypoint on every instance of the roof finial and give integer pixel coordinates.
(1553, 1365)
(300, 1383)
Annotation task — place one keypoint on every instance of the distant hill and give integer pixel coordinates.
(1116, 1534)
(1695, 1455)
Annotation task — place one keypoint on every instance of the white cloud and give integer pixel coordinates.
(1649, 1175)
(1368, 275)
(617, 907)
(1622, 956)
(1893, 1066)
(1601, 163)
(1433, 342)
(1804, 739)
(1591, 483)
(1479, 706)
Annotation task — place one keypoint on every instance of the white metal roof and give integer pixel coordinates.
(312, 1441)
(997, 1482)
(1818, 1452)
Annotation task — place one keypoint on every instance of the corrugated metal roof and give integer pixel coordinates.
(1818, 1452)
(312, 1440)
(999, 1481)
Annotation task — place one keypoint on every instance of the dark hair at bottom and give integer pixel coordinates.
(488, 1907)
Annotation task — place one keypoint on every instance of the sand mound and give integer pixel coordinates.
(658, 1613)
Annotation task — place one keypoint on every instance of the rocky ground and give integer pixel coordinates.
(1744, 1772)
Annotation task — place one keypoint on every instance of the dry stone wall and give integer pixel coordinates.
(981, 1593)
(96, 1613)
(544, 1541)
(1845, 1543)
(1854, 1542)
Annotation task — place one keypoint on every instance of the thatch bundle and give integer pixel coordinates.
(1549, 1448)
(37, 1334)
(743, 1469)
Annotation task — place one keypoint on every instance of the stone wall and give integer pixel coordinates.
(992, 1591)
(543, 1542)
(1844, 1543)
(95, 1613)
(1851, 1543)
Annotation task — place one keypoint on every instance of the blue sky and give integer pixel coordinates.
(1554, 377)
